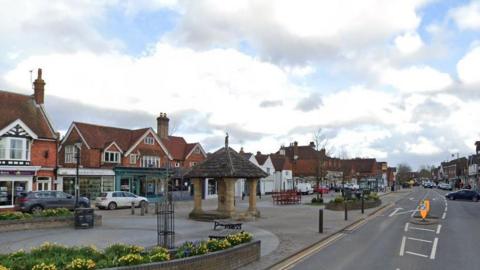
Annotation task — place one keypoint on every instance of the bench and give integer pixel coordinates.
(286, 197)
(226, 225)
(222, 234)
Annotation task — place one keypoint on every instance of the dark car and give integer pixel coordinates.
(464, 194)
(36, 201)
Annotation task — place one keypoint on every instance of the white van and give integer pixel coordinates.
(305, 188)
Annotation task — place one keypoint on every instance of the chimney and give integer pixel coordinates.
(39, 88)
(259, 153)
(312, 144)
(477, 143)
(162, 126)
(295, 151)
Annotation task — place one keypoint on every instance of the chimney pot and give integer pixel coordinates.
(162, 126)
(259, 153)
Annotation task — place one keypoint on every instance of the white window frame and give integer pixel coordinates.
(133, 159)
(177, 164)
(110, 154)
(193, 163)
(149, 140)
(150, 161)
(5, 147)
(70, 154)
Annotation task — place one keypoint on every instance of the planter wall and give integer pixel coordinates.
(228, 259)
(355, 205)
(41, 223)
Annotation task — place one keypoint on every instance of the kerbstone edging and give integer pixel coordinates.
(41, 223)
(228, 259)
(353, 205)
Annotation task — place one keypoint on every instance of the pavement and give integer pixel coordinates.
(283, 229)
(395, 240)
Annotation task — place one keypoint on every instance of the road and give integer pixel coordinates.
(392, 241)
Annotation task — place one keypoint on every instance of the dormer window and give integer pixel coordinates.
(149, 140)
(14, 148)
(197, 150)
(111, 157)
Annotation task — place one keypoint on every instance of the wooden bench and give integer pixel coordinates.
(226, 225)
(286, 197)
(222, 234)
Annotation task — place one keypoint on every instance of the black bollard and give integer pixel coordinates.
(320, 220)
(146, 208)
(363, 202)
(133, 208)
(346, 212)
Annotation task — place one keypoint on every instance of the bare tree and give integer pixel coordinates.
(321, 143)
(403, 173)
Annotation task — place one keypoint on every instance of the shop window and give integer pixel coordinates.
(43, 183)
(10, 190)
(111, 157)
(108, 184)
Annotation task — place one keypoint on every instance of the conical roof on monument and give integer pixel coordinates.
(226, 163)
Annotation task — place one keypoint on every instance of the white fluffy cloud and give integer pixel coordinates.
(468, 67)
(467, 16)
(416, 79)
(423, 146)
(408, 43)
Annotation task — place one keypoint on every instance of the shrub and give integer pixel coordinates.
(213, 245)
(59, 212)
(185, 250)
(234, 239)
(373, 196)
(44, 266)
(3, 268)
(14, 215)
(338, 199)
(130, 259)
(81, 264)
(317, 200)
(246, 237)
(200, 248)
(159, 254)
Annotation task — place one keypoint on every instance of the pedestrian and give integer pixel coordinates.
(243, 195)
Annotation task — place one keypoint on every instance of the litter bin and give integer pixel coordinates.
(84, 218)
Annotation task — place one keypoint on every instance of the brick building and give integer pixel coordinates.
(28, 144)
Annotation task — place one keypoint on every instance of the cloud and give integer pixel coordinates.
(312, 102)
(467, 17)
(408, 43)
(296, 32)
(423, 146)
(468, 67)
(270, 103)
(416, 79)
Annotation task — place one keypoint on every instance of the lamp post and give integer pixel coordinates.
(78, 148)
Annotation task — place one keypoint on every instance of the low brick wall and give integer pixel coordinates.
(356, 205)
(228, 259)
(41, 223)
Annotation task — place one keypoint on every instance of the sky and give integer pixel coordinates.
(395, 80)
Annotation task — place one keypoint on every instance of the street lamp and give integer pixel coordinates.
(78, 147)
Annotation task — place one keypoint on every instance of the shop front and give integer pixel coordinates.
(146, 182)
(13, 181)
(92, 182)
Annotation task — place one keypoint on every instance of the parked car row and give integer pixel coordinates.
(36, 201)
(444, 186)
(463, 194)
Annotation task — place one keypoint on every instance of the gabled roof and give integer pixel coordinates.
(227, 163)
(261, 159)
(179, 148)
(360, 165)
(281, 162)
(17, 106)
(304, 152)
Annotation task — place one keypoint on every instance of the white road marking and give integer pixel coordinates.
(434, 248)
(416, 254)
(446, 208)
(422, 229)
(411, 199)
(444, 215)
(413, 213)
(406, 226)
(438, 228)
(402, 246)
(420, 240)
(395, 211)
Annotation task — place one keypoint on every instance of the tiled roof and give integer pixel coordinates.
(226, 162)
(16, 106)
(304, 152)
(281, 162)
(178, 147)
(360, 165)
(99, 137)
(261, 158)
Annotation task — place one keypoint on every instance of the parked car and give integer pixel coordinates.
(352, 187)
(464, 194)
(321, 190)
(428, 185)
(445, 186)
(36, 201)
(117, 199)
(304, 188)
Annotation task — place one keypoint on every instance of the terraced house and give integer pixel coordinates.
(28, 144)
(111, 158)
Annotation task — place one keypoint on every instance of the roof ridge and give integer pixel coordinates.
(15, 93)
(232, 169)
(104, 126)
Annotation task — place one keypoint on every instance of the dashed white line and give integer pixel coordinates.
(416, 254)
(420, 240)
(406, 226)
(422, 229)
(444, 215)
(434, 248)
(402, 246)
(439, 227)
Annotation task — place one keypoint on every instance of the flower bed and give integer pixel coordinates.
(59, 212)
(370, 201)
(55, 257)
